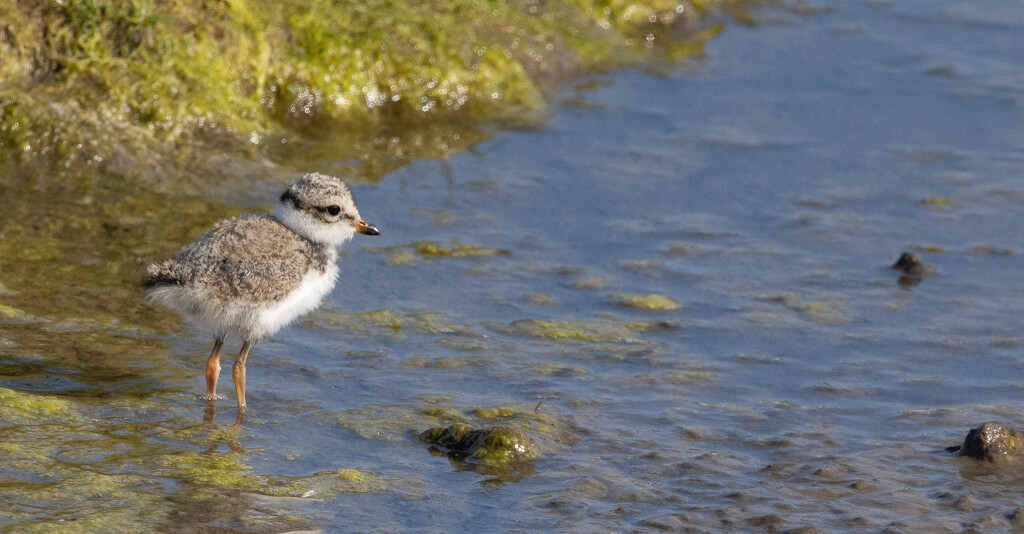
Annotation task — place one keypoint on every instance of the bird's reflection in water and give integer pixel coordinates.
(217, 435)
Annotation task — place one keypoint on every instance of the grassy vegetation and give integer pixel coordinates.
(109, 83)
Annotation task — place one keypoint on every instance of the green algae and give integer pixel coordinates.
(392, 422)
(443, 217)
(650, 267)
(10, 312)
(498, 446)
(448, 362)
(590, 282)
(497, 413)
(402, 257)
(503, 446)
(678, 249)
(112, 476)
(932, 249)
(444, 413)
(430, 249)
(468, 341)
(824, 309)
(391, 321)
(411, 253)
(652, 326)
(68, 478)
(223, 470)
(523, 413)
(594, 331)
(25, 408)
(109, 476)
(540, 299)
(673, 377)
(226, 471)
(990, 250)
(650, 301)
(329, 484)
(558, 369)
(353, 475)
(127, 507)
(384, 319)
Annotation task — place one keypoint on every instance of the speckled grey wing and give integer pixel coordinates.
(249, 260)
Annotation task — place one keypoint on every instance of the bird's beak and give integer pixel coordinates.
(364, 227)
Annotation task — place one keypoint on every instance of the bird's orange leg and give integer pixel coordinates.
(238, 374)
(213, 370)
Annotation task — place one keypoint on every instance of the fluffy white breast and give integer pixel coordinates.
(315, 230)
(302, 300)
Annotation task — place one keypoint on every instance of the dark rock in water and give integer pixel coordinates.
(491, 446)
(911, 263)
(914, 270)
(991, 442)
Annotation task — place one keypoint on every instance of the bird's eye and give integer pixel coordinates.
(333, 210)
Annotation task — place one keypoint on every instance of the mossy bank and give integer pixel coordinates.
(113, 85)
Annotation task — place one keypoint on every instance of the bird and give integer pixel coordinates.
(250, 276)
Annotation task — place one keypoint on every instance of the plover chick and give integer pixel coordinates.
(251, 276)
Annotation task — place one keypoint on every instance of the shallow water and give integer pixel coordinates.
(765, 189)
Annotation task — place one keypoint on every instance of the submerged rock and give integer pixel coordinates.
(910, 263)
(991, 442)
(495, 446)
(913, 269)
